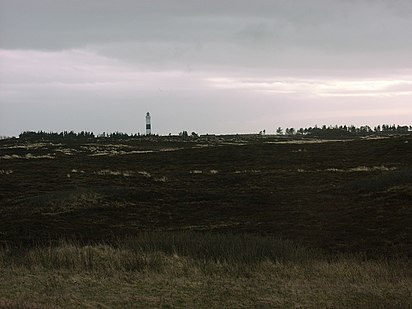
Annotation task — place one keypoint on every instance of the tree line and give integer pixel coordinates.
(83, 135)
(346, 131)
(323, 132)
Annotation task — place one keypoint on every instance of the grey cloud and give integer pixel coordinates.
(205, 31)
(97, 56)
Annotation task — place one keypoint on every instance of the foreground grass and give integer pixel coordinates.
(193, 270)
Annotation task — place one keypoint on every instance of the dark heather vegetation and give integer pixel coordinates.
(239, 221)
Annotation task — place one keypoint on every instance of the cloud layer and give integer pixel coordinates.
(210, 66)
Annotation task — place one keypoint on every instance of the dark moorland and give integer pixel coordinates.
(206, 222)
(349, 195)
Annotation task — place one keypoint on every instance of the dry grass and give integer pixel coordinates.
(193, 270)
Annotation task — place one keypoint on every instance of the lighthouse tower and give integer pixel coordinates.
(148, 124)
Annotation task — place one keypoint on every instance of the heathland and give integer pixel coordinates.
(210, 221)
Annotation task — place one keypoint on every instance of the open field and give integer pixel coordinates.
(352, 196)
(345, 206)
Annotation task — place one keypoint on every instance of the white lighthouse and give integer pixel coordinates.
(148, 124)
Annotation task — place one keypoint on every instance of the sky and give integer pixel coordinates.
(227, 66)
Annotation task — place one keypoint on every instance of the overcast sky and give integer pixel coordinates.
(227, 66)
